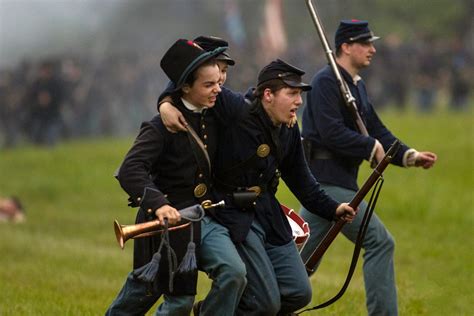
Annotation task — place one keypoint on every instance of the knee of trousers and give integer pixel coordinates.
(298, 298)
(268, 306)
(306, 294)
(184, 307)
(236, 275)
(382, 242)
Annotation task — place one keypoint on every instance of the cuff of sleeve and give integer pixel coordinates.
(151, 200)
(165, 99)
(409, 157)
(372, 153)
(331, 215)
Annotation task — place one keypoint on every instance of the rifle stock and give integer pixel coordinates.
(354, 203)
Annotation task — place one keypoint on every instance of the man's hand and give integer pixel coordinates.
(168, 212)
(425, 159)
(345, 212)
(172, 118)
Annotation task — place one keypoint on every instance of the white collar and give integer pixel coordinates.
(192, 107)
(356, 79)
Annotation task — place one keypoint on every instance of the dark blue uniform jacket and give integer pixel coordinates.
(328, 124)
(163, 165)
(243, 131)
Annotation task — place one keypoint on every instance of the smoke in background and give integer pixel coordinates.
(106, 53)
(32, 29)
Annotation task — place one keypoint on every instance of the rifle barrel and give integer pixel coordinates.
(346, 93)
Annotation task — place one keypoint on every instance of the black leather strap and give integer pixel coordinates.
(358, 245)
(311, 152)
(204, 164)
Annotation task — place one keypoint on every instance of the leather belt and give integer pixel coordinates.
(229, 189)
(312, 152)
(321, 154)
(199, 192)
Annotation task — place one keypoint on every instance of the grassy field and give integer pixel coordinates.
(64, 259)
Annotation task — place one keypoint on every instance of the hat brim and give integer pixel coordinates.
(198, 62)
(373, 38)
(295, 84)
(225, 57)
(368, 39)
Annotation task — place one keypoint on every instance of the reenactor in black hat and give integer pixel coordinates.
(256, 148)
(215, 256)
(163, 172)
(175, 121)
(336, 149)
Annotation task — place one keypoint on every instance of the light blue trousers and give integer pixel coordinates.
(135, 299)
(218, 257)
(276, 276)
(379, 275)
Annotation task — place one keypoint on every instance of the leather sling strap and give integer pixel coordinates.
(196, 142)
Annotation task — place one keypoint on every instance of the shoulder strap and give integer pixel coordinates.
(197, 145)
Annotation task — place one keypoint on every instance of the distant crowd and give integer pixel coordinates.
(64, 97)
(71, 97)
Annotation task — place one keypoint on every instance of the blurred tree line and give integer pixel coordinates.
(146, 19)
(104, 67)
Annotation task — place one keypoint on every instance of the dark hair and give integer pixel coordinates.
(273, 84)
(16, 201)
(192, 76)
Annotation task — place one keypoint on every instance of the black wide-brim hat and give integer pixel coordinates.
(289, 74)
(210, 43)
(351, 31)
(183, 58)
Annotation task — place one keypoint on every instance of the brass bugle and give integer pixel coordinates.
(154, 227)
(125, 232)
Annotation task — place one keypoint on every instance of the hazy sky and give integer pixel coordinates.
(30, 28)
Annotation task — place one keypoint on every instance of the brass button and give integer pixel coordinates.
(200, 190)
(263, 150)
(205, 146)
(139, 199)
(203, 126)
(200, 175)
(149, 211)
(205, 136)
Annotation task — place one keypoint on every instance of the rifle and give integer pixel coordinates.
(346, 93)
(354, 203)
(375, 178)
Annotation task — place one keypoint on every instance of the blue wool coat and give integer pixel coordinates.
(328, 124)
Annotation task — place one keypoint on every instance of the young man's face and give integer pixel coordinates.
(283, 104)
(204, 91)
(223, 66)
(361, 53)
(8, 207)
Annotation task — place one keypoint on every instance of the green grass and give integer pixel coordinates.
(64, 259)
